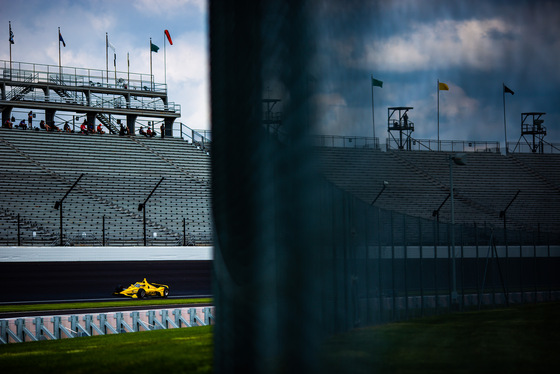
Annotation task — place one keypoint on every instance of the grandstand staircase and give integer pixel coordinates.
(19, 92)
(108, 123)
(72, 99)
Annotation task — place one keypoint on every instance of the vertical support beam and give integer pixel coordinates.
(6, 113)
(49, 116)
(90, 117)
(131, 123)
(168, 122)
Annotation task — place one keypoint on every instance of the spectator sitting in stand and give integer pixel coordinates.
(42, 124)
(51, 127)
(83, 128)
(142, 132)
(151, 133)
(23, 125)
(100, 129)
(7, 124)
(67, 127)
(91, 128)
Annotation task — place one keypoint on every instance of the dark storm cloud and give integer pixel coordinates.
(475, 46)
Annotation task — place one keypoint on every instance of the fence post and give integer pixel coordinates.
(449, 263)
(421, 267)
(405, 259)
(462, 269)
(393, 266)
(535, 267)
(521, 268)
(550, 267)
(476, 260)
(366, 262)
(379, 258)
(436, 232)
(18, 232)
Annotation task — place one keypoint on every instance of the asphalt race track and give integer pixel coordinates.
(38, 281)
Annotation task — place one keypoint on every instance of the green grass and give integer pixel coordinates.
(522, 339)
(185, 350)
(88, 305)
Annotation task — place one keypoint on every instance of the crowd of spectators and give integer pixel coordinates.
(86, 127)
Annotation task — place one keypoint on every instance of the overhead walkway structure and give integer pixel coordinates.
(87, 92)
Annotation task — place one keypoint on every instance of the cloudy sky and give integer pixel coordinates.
(473, 46)
(130, 25)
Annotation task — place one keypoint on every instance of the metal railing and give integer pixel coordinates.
(79, 77)
(549, 148)
(200, 137)
(448, 145)
(101, 102)
(345, 141)
(17, 231)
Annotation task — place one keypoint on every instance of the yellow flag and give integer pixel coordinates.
(443, 87)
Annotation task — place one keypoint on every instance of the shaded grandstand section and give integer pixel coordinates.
(38, 168)
(419, 183)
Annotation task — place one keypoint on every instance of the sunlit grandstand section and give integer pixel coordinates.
(119, 172)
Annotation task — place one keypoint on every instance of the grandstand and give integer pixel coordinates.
(418, 183)
(119, 173)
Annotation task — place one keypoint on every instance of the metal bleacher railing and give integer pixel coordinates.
(141, 87)
(201, 138)
(448, 145)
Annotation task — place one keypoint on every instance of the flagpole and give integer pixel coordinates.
(372, 111)
(439, 146)
(164, 61)
(107, 57)
(59, 60)
(505, 127)
(128, 69)
(151, 75)
(10, 42)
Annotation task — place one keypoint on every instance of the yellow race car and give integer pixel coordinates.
(140, 290)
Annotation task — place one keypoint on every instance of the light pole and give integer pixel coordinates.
(385, 184)
(58, 205)
(142, 207)
(457, 159)
(435, 213)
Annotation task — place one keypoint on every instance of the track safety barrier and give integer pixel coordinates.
(19, 330)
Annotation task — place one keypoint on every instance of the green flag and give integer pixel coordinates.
(153, 47)
(375, 82)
